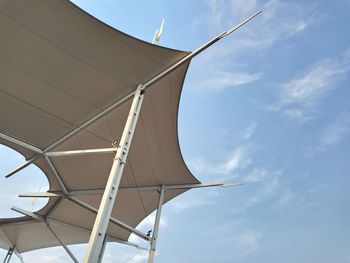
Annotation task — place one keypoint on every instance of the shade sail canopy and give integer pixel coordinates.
(60, 67)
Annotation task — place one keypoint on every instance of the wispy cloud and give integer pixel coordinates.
(182, 203)
(279, 20)
(245, 239)
(220, 80)
(275, 24)
(249, 131)
(299, 96)
(302, 198)
(336, 131)
(123, 254)
(268, 184)
(50, 255)
(239, 158)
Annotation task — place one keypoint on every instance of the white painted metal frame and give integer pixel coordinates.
(11, 245)
(81, 152)
(98, 234)
(93, 252)
(43, 219)
(152, 249)
(8, 255)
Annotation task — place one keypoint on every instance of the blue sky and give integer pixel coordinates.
(269, 106)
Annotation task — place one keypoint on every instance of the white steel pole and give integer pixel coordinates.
(103, 249)
(152, 250)
(98, 233)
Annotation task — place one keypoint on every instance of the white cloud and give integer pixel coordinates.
(237, 159)
(268, 184)
(336, 131)
(118, 253)
(245, 242)
(280, 20)
(249, 131)
(188, 201)
(237, 236)
(299, 96)
(301, 198)
(220, 80)
(49, 255)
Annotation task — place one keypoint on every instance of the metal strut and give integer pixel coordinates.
(11, 245)
(8, 255)
(95, 244)
(152, 250)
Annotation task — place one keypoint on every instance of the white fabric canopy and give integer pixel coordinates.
(59, 67)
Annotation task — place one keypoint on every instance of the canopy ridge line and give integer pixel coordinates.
(11, 245)
(145, 86)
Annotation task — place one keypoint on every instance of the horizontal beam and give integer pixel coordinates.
(128, 189)
(112, 219)
(81, 152)
(41, 194)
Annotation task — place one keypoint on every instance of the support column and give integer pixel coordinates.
(102, 250)
(152, 250)
(8, 255)
(98, 233)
